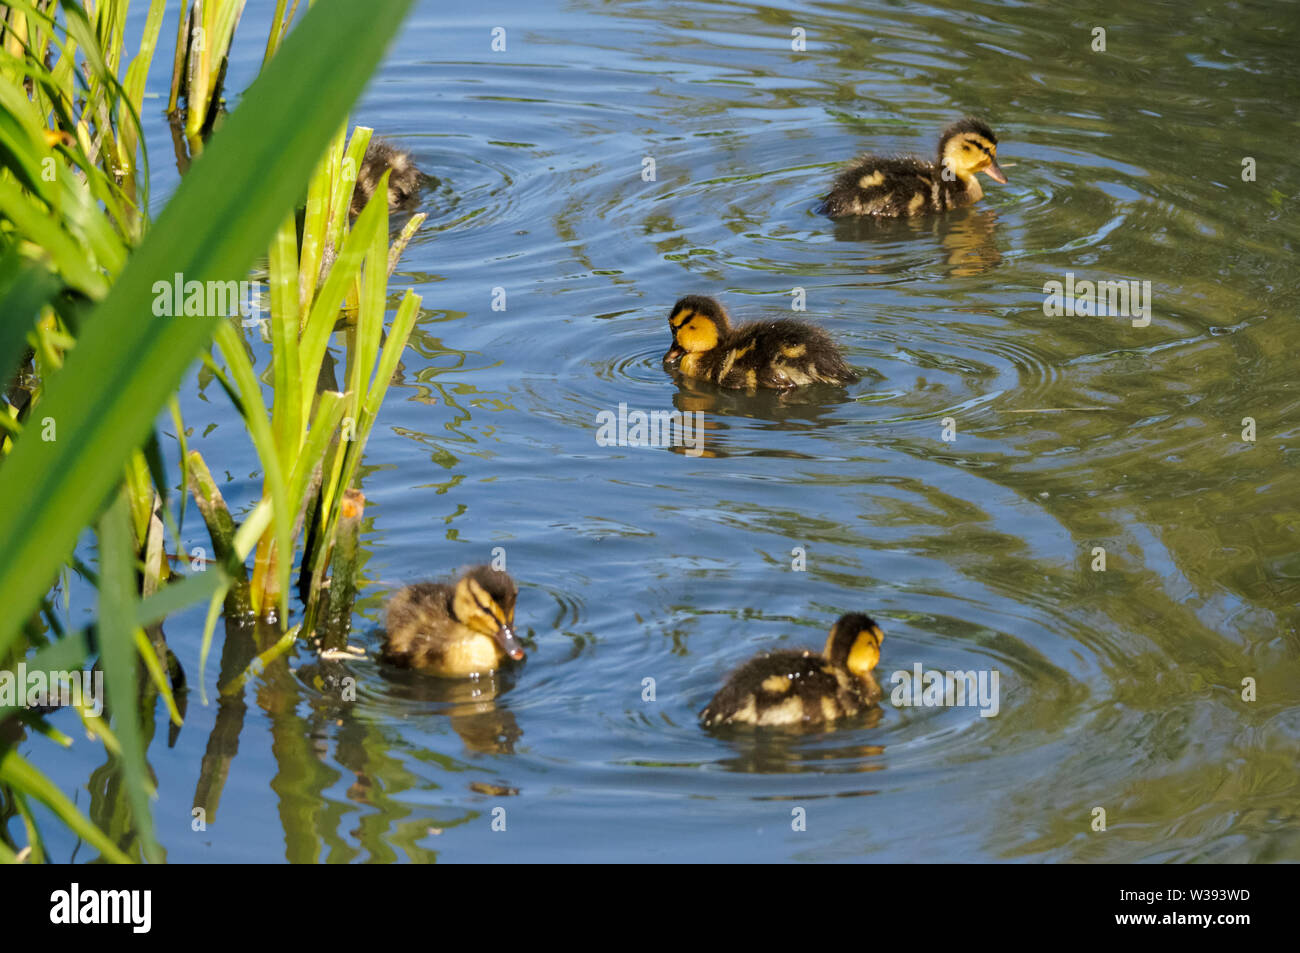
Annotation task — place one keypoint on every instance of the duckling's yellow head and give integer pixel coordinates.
(854, 643)
(698, 323)
(484, 600)
(969, 146)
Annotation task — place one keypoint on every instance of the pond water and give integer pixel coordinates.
(1119, 689)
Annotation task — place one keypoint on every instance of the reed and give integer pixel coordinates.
(311, 438)
(203, 39)
(78, 264)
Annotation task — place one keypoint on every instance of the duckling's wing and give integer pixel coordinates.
(425, 600)
(413, 613)
(810, 355)
(882, 185)
(789, 353)
(780, 688)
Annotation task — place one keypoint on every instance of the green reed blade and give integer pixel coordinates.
(329, 411)
(117, 628)
(259, 431)
(172, 598)
(313, 224)
(144, 648)
(398, 334)
(16, 772)
(287, 411)
(23, 289)
(324, 313)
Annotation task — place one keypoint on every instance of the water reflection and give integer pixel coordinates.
(469, 704)
(967, 238)
(807, 408)
(809, 750)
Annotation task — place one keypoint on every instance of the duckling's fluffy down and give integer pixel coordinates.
(404, 179)
(786, 688)
(890, 187)
(776, 354)
(413, 612)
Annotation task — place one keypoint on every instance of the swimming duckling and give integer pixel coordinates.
(772, 354)
(404, 179)
(894, 186)
(458, 630)
(802, 688)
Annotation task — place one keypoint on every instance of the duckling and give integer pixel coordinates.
(897, 186)
(404, 179)
(772, 354)
(458, 631)
(800, 687)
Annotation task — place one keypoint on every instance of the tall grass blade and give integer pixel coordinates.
(117, 628)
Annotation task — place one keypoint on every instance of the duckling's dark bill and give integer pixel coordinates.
(509, 643)
(994, 172)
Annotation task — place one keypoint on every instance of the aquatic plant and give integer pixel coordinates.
(78, 267)
(203, 39)
(316, 432)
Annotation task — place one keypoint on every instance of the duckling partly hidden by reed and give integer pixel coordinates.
(896, 186)
(771, 354)
(404, 179)
(459, 630)
(800, 688)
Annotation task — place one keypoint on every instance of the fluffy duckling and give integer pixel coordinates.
(771, 354)
(404, 179)
(457, 631)
(897, 186)
(802, 688)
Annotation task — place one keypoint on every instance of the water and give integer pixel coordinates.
(1118, 689)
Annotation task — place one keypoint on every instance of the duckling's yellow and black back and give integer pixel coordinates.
(801, 688)
(784, 689)
(776, 355)
(413, 610)
(900, 186)
(886, 186)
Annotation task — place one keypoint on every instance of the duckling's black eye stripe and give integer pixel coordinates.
(979, 147)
